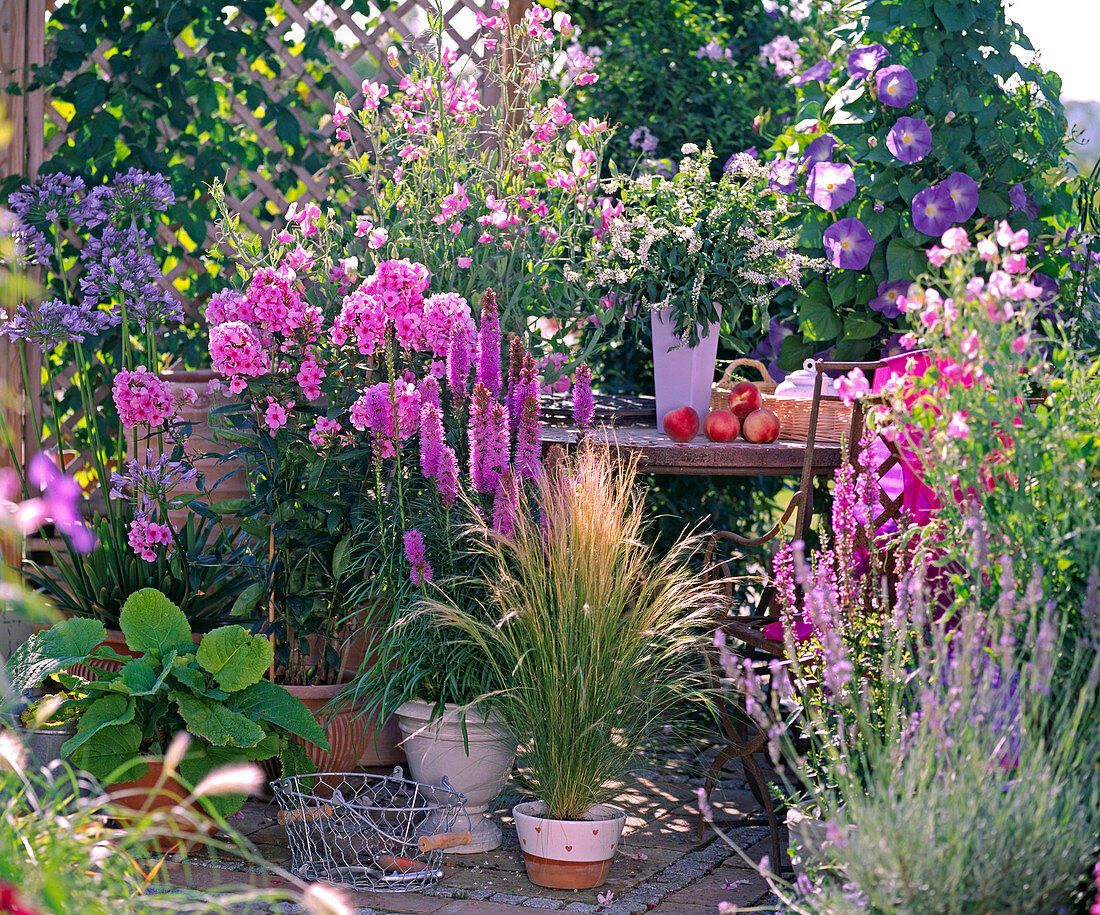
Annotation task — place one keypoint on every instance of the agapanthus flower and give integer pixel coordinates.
(933, 210)
(130, 198)
(52, 322)
(118, 266)
(896, 86)
(155, 481)
(910, 140)
(29, 246)
(142, 398)
(489, 438)
(819, 71)
(848, 244)
(420, 571)
(864, 60)
(50, 199)
(886, 302)
(964, 195)
(819, 150)
(488, 344)
(583, 404)
(830, 186)
(236, 351)
(783, 176)
(59, 503)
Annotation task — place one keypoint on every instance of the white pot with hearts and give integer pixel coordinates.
(568, 854)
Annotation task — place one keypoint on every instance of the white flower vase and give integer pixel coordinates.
(682, 374)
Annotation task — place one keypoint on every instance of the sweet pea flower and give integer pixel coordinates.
(1013, 241)
(819, 71)
(955, 240)
(563, 24)
(1015, 262)
(465, 262)
(1020, 343)
(964, 195)
(848, 244)
(938, 256)
(864, 60)
(820, 150)
(890, 297)
(377, 238)
(910, 140)
(896, 86)
(852, 387)
(957, 427)
(831, 186)
(987, 249)
(933, 210)
(970, 344)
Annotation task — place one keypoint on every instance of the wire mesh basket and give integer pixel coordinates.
(372, 832)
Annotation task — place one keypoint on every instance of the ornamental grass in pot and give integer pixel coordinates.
(596, 642)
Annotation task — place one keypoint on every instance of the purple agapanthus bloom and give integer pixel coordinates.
(820, 150)
(118, 266)
(848, 244)
(910, 140)
(819, 71)
(53, 322)
(1022, 203)
(933, 210)
(864, 60)
(60, 502)
(783, 176)
(50, 199)
(130, 198)
(831, 186)
(964, 195)
(896, 86)
(155, 481)
(29, 244)
(886, 302)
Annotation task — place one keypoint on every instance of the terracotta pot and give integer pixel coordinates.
(682, 374)
(436, 748)
(353, 742)
(568, 854)
(201, 441)
(146, 795)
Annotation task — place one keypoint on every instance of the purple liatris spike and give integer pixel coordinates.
(488, 344)
(506, 504)
(429, 391)
(516, 361)
(489, 440)
(458, 362)
(420, 572)
(431, 439)
(584, 409)
(529, 440)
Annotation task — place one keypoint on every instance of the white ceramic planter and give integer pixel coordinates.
(568, 854)
(682, 375)
(435, 749)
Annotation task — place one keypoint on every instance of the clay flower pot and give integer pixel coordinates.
(354, 742)
(148, 795)
(568, 854)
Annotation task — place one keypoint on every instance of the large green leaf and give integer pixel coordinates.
(104, 752)
(216, 724)
(103, 713)
(235, 657)
(139, 678)
(151, 622)
(53, 650)
(267, 701)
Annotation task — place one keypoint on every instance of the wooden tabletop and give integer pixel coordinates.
(657, 453)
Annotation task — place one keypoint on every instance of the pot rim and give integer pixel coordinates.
(419, 710)
(517, 811)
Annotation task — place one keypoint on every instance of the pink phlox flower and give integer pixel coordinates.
(275, 416)
(309, 377)
(324, 432)
(1013, 241)
(228, 305)
(146, 536)
(362, 317)
(276, 303)
(420, 572)
(141, 397)
(1015, 263)
(852, 387)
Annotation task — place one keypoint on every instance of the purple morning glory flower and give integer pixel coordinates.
(831, 186)
(964, 195)
(1048, 285)
(60, 502)
(896, 86)
(909, 140)
(886, 302)
(848, 244)
(1021, 203)
(864, 60)
(782, 176)
(933, 210)
(820, 150)
(819, 71)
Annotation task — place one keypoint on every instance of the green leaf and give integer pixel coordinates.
(956, 15)
(295, 761)
(53, 650)
(235, 657)
(216, 724)
(248, 600)
(141, 679)
(341, 557)
(267, 701)
(151, 622)
(904, 261)
(111, 710)
(817, 320)
(104, 753)
(860, 327)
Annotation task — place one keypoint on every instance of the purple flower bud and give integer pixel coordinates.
(864, 60)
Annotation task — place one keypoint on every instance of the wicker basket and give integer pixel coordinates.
(834, 419)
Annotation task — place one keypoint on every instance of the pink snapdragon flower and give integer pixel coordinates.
(141, 397)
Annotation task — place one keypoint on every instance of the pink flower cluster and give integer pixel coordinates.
(147, 535)
(373, 411)
(277, 307)
(141, 397)
(438, 460)
(324, 432)
(236, 351)
(276, 414)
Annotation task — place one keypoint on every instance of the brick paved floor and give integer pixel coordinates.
(663, 865)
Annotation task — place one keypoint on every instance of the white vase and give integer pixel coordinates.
(682, 375)
(568, 854)
(435, 749)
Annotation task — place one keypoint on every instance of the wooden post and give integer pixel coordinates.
(22, 45)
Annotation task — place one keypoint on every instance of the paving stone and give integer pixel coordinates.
(509, 898)
(536, 903)
(581, 907)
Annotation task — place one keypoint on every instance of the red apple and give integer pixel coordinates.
(744, 398)
(761, 426)
(721, 426)
(681, 424)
